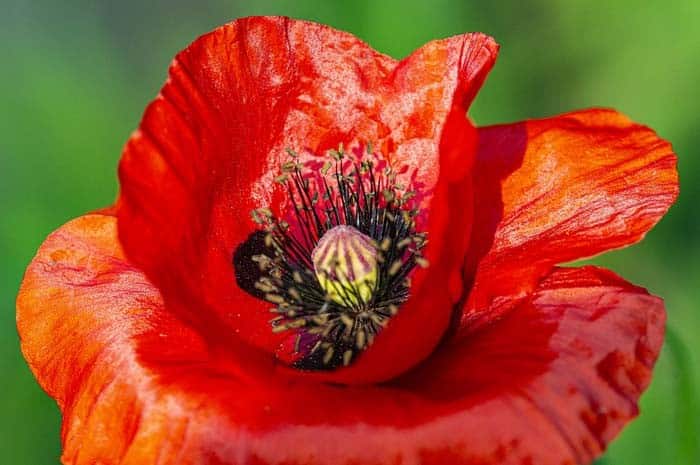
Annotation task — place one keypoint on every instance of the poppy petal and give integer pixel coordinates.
(560, 189)
(551, 383)
(208, 148)
(86, 319)
(557, 378)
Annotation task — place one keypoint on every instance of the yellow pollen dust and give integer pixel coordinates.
(345, 263)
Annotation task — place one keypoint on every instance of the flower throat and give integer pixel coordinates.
(338, 269)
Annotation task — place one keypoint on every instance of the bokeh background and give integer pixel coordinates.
(75, 77)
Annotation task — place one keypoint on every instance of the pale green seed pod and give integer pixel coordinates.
(345, 263)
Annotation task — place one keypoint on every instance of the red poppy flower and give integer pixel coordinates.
(394, 297)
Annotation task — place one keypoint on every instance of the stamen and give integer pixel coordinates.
(340, 272)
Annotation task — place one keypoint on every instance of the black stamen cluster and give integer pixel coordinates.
(330, 334)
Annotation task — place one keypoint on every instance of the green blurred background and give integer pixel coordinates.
(75, 77)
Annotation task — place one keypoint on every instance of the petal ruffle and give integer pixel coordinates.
(556, 190)
(556, 379)
(209, 146)
(551, 383)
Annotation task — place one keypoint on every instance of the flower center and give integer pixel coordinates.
(338, 267)
(345, 262)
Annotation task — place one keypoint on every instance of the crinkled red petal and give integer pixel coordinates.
(558, 189)
(209, 146)
(551, 383)
(556, 379)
